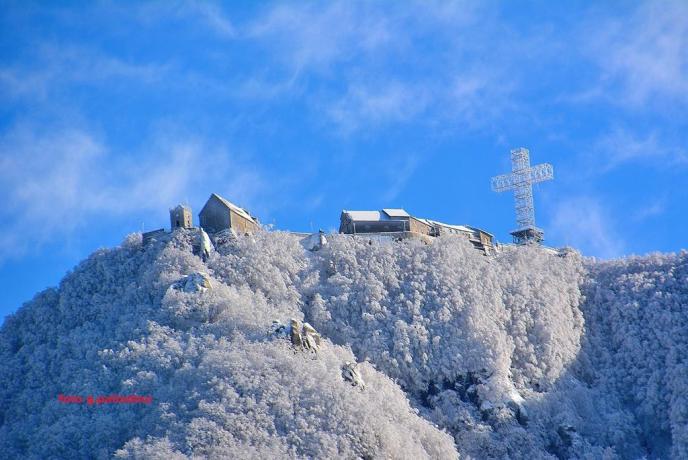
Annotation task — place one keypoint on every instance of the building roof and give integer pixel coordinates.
(373, 216)
(398, 214)
(242, 212)
(391, 212)
(479, 230)
(461, 228)
(153, 232)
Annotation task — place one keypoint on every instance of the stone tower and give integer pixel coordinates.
(180, 217)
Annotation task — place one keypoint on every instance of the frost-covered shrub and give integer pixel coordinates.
(434, 313)
(222, 385)
(503, 352)
(638, 341)
(267, 262)
(247, 399)
(466, 335)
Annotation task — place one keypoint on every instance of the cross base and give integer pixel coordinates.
(528, 235)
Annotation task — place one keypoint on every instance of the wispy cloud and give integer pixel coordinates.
(369, 105)
(54, 66)
(652, 209)
(584, 223)
(59, 180)
(365, 66)
(354, 64)
(398, 172)
(479, 95)
(212, 14)
(621, 146)
(49, 186)
(644, 55)
(209, 14)
(313, 37)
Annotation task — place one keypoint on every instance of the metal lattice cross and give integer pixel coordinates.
(521, 181)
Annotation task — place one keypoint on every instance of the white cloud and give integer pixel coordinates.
(355, 64)
(212, 14)
(620, 146)
(479, 95)
(469, 97)
(585, 224)
(208, 14)
(653, 209)
(53, 66)
(45, 181)
(398, 172)
(59, 181)
(365, 66)
(643, 55)
(311, 37)
(365, 104)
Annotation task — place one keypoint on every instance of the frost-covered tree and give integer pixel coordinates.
(222, 385)
(524, 354)
(638, 343)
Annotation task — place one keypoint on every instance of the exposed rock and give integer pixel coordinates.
(310, 337)
(519, 412)
(350, 374)
(566, 251)
(566, 433)
(331, 269)
(202, 245)
(195, 282)
(487, 409)
(314, 242)
(522, 415)
(295, 332)
(304, 336)
(225, 236)
(279, 330)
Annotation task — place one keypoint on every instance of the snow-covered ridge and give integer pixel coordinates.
(423, 351)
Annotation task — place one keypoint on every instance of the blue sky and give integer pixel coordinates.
(110, 113)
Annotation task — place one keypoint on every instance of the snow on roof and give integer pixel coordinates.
(242, 212)
(365, 215)
(396, 212)
(480, 230)
(461, 228)
(374, 216)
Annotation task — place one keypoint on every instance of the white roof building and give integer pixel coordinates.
(396, 220)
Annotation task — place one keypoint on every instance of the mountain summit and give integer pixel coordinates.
(355, 349)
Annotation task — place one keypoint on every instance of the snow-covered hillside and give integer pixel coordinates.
(524, 354)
